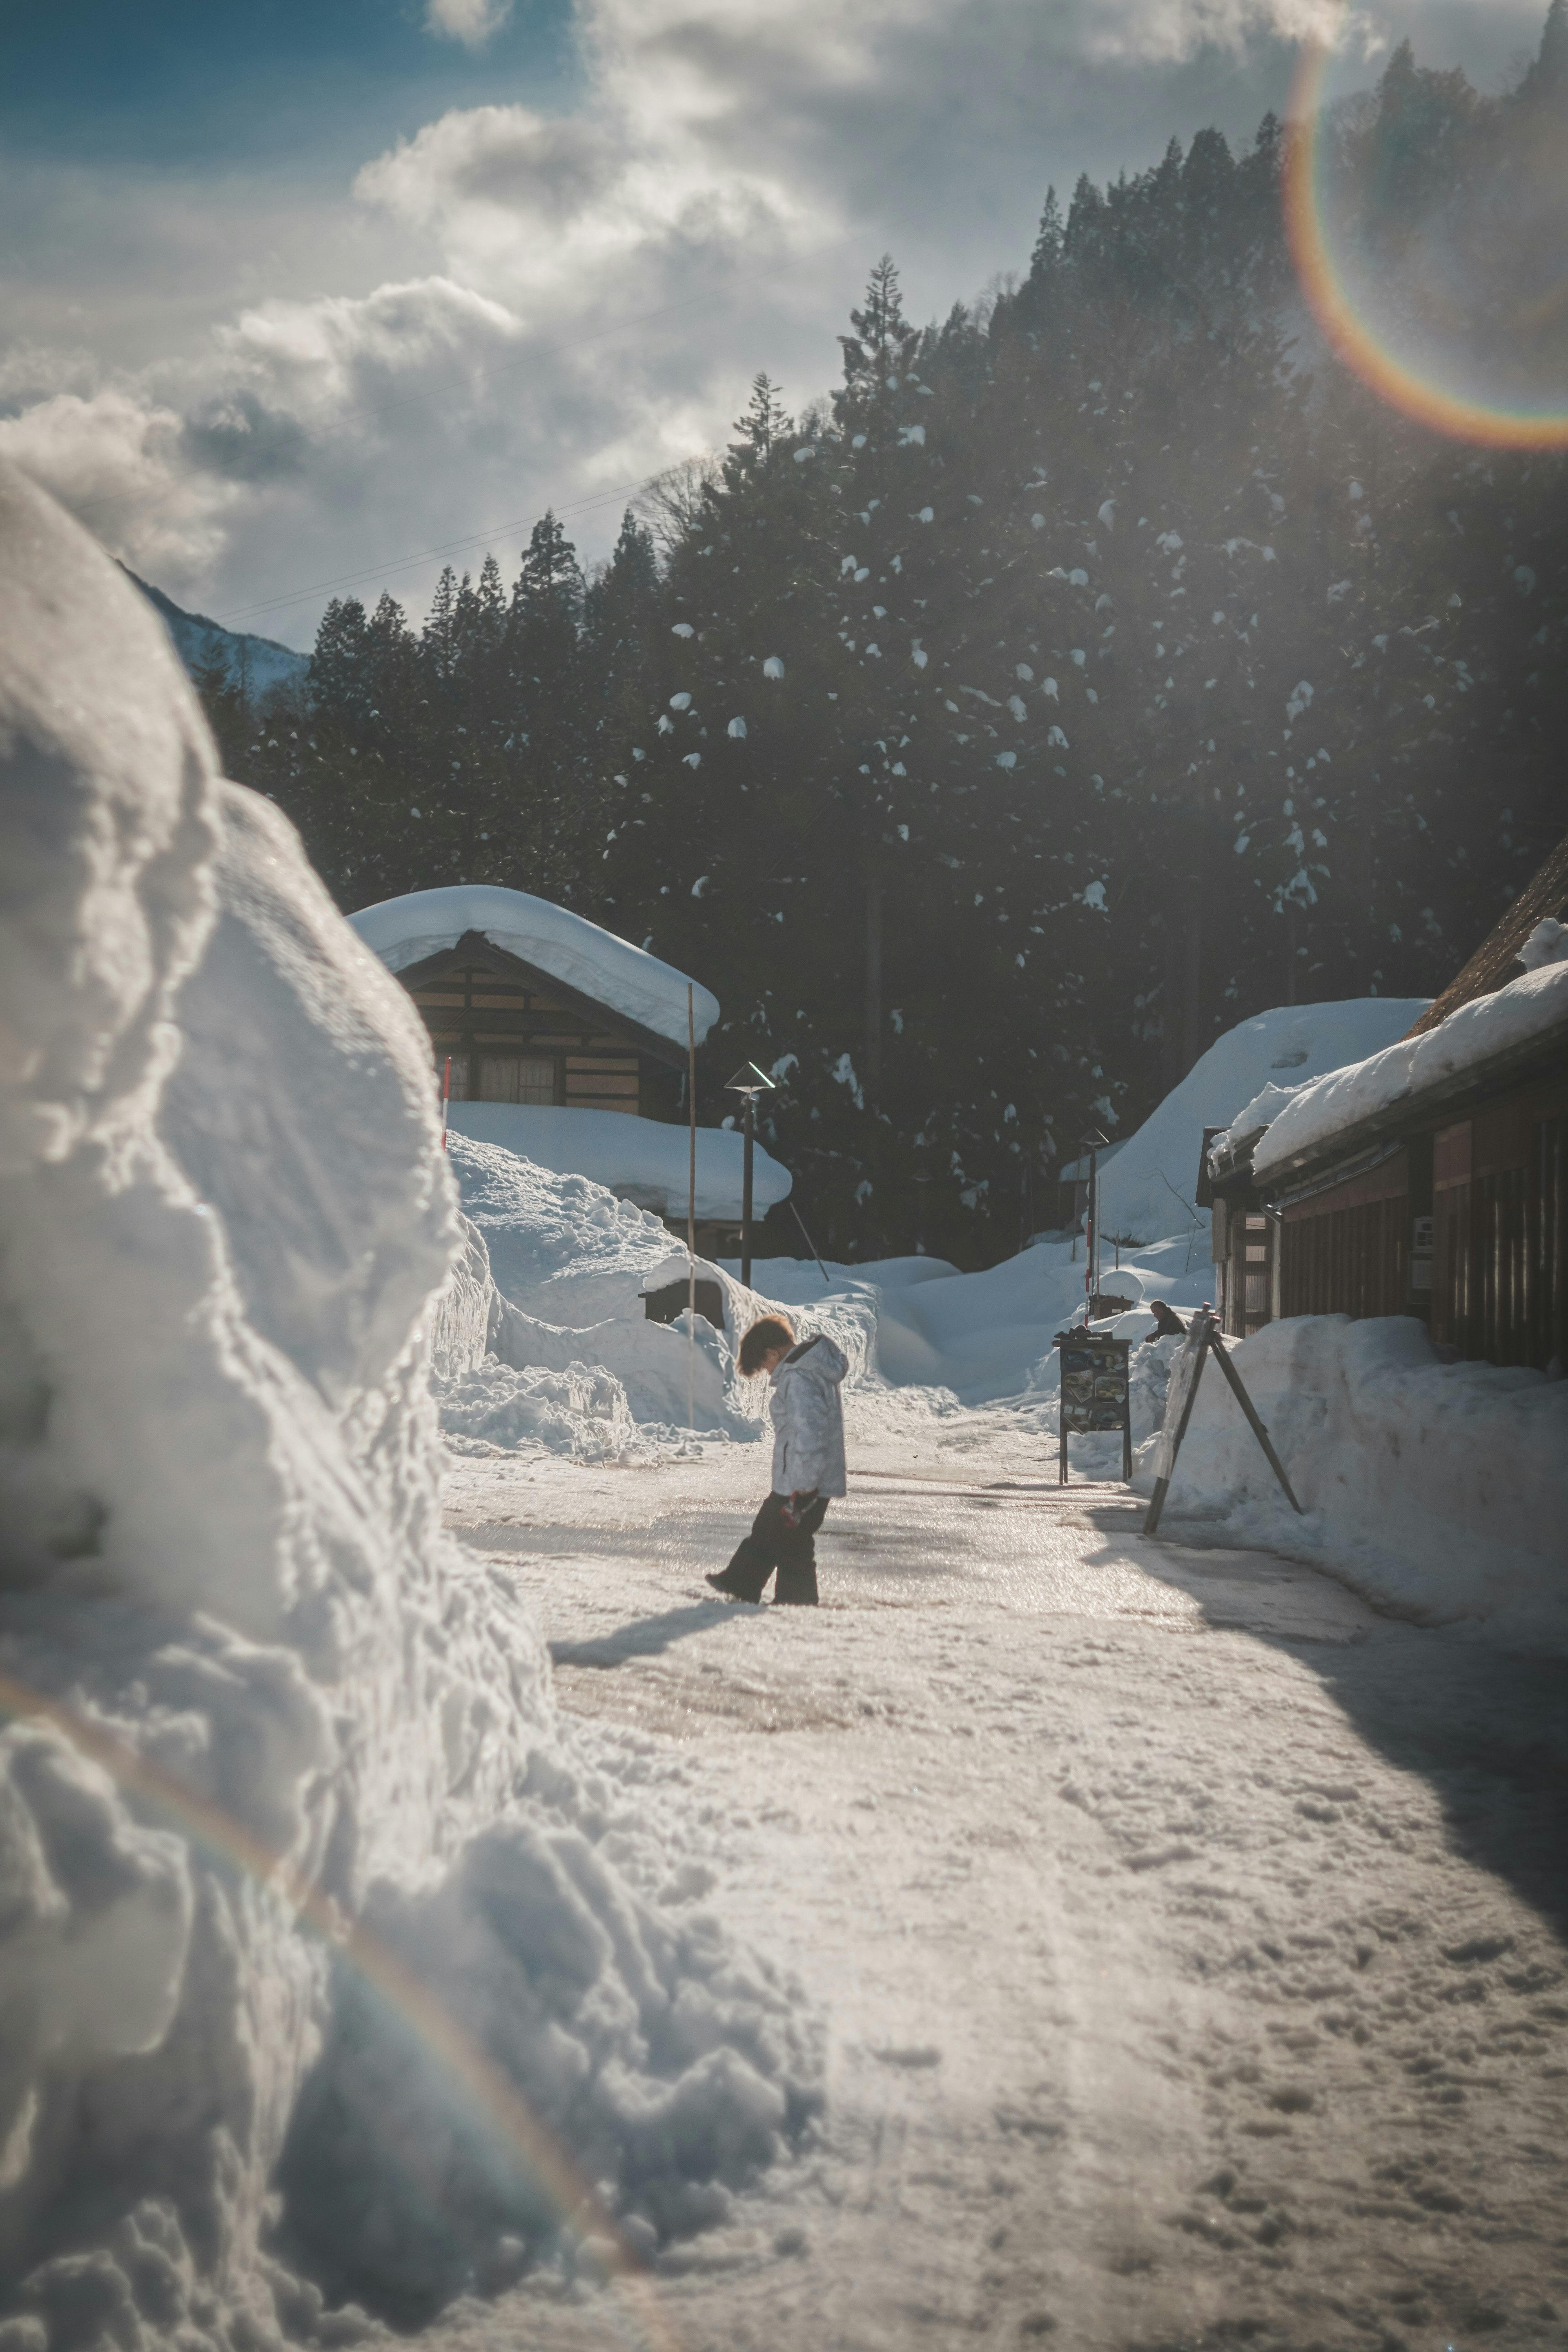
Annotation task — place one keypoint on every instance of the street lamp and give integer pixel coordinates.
(748, 1082)
(1093, 1143)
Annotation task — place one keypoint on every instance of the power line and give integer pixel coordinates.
(446, 547)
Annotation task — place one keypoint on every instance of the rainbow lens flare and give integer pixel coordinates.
(1455, 311)
(491, 2098)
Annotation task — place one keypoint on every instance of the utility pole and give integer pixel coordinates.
(748, 1082)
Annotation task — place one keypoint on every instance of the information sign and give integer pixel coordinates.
(1094, 1391)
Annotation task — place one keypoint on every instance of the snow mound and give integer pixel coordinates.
(1147, 1191)
(1440, 1490)
(404, 931)
(1526, 1010)
(288, 1826)
(641, 1161)
(581, 1410)
(560, 1247)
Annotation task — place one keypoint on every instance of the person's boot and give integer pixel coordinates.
(744, 1578)
(796, 1585)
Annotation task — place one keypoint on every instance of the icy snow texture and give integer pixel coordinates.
(1533, 1007)
(1547, 943)
(404, 931)
(225, 1236)
(645, 1160)
(1439, 1489)
(1145, 1189)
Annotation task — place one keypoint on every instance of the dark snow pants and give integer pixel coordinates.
(772, 1545)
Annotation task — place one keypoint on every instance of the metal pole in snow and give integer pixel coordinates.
(1091, 1241)
(446, 1097)
(691, 1210)
(749, 1133)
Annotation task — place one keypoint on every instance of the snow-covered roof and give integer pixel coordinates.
(1527, 1010)
(1147, 1190)
(627, 980)
(642, 1160)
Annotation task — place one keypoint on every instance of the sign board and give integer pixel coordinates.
(1094, 1393)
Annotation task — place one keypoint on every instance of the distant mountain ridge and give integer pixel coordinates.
(255, 664)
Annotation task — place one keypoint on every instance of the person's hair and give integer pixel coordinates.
(769, 1333)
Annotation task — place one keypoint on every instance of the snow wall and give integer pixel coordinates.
(282, 1793)
(1440, 1490)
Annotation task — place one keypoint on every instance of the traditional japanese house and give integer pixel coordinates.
(1432, 1179)
(542, 1023)
(530, 1004)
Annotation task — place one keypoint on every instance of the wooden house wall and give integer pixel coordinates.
(1500, 1184)
(1344, 1251)
(511, 1043)
(1496, 1187)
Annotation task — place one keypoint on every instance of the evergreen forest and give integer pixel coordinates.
(1091, 669)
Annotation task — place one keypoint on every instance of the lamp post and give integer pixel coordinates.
(1093, 1143)
(748, 1082)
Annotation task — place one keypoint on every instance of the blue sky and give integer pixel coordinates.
(293, 294)
(288, 83)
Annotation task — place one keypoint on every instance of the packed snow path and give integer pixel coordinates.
(1187, 1937)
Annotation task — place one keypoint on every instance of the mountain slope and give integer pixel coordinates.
(257, 664)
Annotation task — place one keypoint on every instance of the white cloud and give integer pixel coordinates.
(472, 22)
(540, 308)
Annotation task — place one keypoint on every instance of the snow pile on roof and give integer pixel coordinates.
(404, 931)
(1148, 1190)
(1251, 1121)
(1440, 1490)
(241, 1660)
(1547, 943)
(1530, 1007)
(643, 1160)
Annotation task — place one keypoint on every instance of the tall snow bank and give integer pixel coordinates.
(1441, 1489)
(1529, 1010)
(404, 931)
(228, 1247)
(1147, 1191)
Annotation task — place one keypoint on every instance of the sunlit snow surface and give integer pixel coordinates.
(297, 1863)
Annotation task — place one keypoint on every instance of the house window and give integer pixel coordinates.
(517, 1077)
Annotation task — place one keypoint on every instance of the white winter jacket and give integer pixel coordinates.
(809, 1420)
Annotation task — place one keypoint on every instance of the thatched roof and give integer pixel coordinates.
(1496, 961)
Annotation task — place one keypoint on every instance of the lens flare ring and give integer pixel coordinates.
(487, 2092)
(1342, 315)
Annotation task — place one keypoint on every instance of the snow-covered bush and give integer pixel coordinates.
(267, 1723)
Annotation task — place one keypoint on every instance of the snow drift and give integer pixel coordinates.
(261, 1710)
(1438, 1489)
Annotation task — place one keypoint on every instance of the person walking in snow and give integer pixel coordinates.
(808, 1461)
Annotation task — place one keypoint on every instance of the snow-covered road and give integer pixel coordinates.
(1187, 1938)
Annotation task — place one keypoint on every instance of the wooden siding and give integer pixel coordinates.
(1498, 1234)
(1499, 1290)
(1345, 1248)
(512, 1043)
